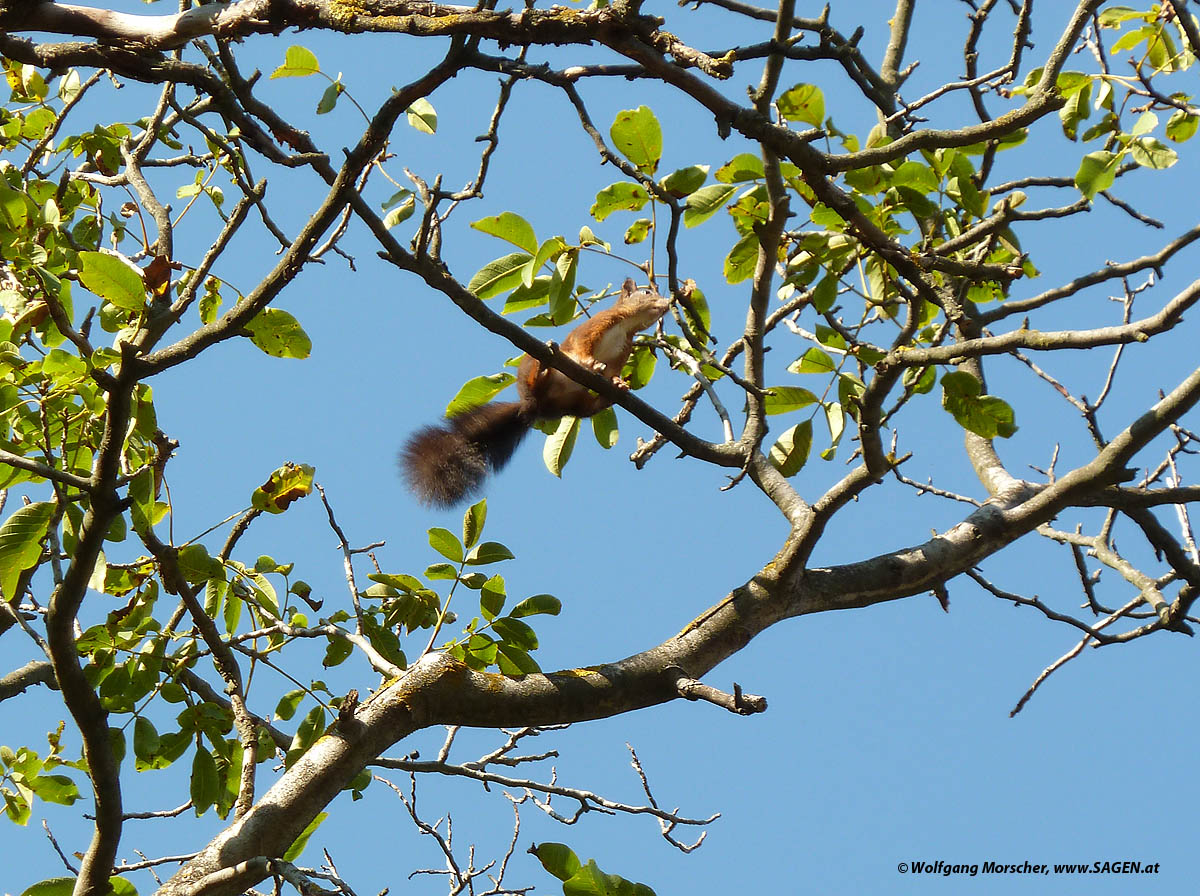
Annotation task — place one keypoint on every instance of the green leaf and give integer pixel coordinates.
(279, 334)
(1146, 123)
(559, 446)
(57, 789)
(20, 544)
(207, 307)
(826, 218)
(587, 238)
(337, 651)
(289, 703)
(1114, 16)
(399, 207)
(232, 614)
(784, 399)
(289, 483)
(621, 196)
(422, 116)
(63, 367)
(825, 293)
(489, 552)
(916, 175)
(741, 168)
(591, 881)
(446, 543)
(637, 232)
(511, 228)
(492, 597)
(16, 807)
(298, 62)
(53, 886)
(558, 859)
(112, 278)
(742, 259)
(205, 782)
(984, 415)
(401, 582)
(297, 847)
(685, 181)
(835, 417)
(546, 604)
(604, 428)
(499, 276)
(804, 102)
(477, 391)
(548, 251)
(1151, 153)
(525, 297)
(197, 565)
(14, 207)
(641, 366)
(330, 97)
(562, 287)
(146, 742)
(697, 313)
(814, 360)
(311, 727)
(1181, 126)
(790, 452)
(473, 521)
(514, 631)
(512, 660)
(441, 571)
(1097, 171)
(637, 136)
(706, 202)
(921, 381)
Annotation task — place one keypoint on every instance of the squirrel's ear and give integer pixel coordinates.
(628, 287)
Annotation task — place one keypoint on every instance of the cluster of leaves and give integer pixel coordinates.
(939, 194)
(543, 274)
(301, 62)
(26, 776)
(1088, 93)
(490, 639)
(65, 886)
(139, 667)
(57, 283)
(579, 879)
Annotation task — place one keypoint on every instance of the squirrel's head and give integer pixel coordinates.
(646, 303)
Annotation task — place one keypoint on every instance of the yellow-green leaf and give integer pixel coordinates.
(560, 444)
(298, 62)
(21, 543)
(297, 847)
(289, 483)
(637, 135)
(790, 451)
(422, 116)
(113, 278)
(511, 228)
(279, 334)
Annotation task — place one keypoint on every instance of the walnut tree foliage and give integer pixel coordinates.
(870, 276)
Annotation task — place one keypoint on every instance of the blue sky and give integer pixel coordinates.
(887, 737)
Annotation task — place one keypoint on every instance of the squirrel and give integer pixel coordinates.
(446, 462)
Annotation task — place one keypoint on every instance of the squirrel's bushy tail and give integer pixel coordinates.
(445, 463)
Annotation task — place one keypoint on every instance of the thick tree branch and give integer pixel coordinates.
(32, 673)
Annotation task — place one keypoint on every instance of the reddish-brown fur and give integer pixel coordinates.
(444, 463)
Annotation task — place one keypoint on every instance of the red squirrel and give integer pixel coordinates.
(446, 462)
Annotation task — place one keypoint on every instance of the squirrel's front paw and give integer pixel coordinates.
(621, 383)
